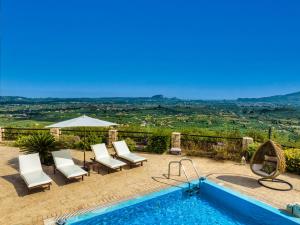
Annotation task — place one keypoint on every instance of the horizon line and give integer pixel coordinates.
(169, 97)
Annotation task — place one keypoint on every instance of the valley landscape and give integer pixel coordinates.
(234, 118)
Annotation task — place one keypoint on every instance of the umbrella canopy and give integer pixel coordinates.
(82, 121)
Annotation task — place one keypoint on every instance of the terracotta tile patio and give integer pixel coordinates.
(18, 207)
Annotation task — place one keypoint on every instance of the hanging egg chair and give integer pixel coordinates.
(268, 162)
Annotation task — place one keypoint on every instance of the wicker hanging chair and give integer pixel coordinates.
(271, 153)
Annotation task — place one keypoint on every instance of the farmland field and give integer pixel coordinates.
(227, 118)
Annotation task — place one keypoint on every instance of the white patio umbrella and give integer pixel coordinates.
(82, 121)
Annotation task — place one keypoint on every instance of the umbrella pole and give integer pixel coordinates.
(84, 147)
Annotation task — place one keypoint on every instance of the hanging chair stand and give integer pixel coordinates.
(262, 182)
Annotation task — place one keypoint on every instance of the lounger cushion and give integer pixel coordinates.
(100, 151)
(124, 152)
(121, 148)
(37, 178)
(111, 162)
(133, 158)
(62, 158)
(72, 171)
(29, 163)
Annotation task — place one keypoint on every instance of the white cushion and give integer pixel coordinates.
(257, 168)
(121, 148)
(270, 158)
(62, 158)
(262, 173)
(100, 151)
(111, 162)
(72, 171)
(37, 178)
(29, 163)
(134, 158)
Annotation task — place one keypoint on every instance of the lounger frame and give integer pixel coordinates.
(45, 186)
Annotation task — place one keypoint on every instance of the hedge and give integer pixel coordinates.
(158, 143)
(131, 144)
(293, 160)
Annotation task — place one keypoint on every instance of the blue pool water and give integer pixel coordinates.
(213, 205)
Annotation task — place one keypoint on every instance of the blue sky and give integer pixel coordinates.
(189, 49)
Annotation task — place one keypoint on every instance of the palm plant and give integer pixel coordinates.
(42, 143)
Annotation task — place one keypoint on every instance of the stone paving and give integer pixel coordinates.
(17, 207)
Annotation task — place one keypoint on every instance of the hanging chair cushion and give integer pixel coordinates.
(271, 158)
(269, 167)
(257, 168)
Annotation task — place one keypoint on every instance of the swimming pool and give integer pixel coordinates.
(214, 204)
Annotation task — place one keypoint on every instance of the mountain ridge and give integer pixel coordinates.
(287, 99)
(291, 99)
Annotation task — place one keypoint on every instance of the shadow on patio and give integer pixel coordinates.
(238, 179)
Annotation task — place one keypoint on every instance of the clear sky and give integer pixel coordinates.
(202, 49)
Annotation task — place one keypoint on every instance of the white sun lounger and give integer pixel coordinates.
(123, 152)
(64, 163)
(103, 157)
(31, 171)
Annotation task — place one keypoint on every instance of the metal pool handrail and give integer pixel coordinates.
(181, 167)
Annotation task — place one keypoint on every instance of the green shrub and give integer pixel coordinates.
(221, 153)
(252, 148)
(131, 144)
(12, 134)
(42, 143)
(293, 160)
(86, 142)
(68, 141)
(158, 144)
(217, 148)
(195, 146)
(21, 140)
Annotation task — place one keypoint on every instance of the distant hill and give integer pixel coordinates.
(132, 100)
(281, 100)
(292, 99)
